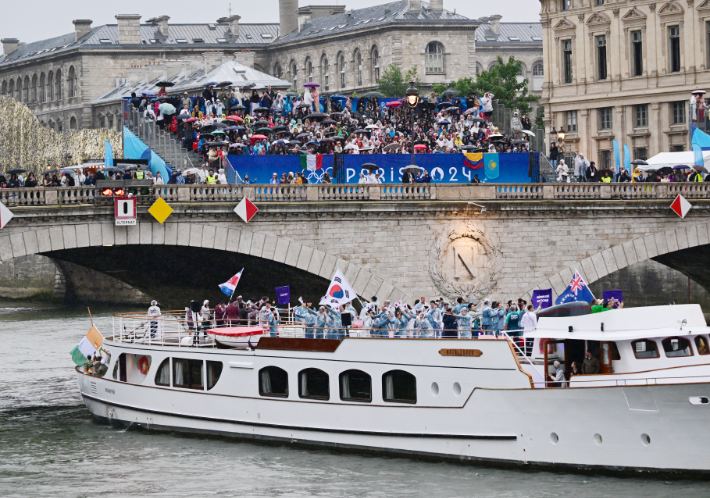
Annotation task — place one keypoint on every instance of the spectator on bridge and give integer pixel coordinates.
(580, 167)
(158, 180)
(31, 181)
(554, 151)
(562, 172)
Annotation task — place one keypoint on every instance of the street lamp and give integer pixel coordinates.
(412, 99)
(561, 134)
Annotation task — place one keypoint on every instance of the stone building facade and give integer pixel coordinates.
(345, 51)
(623, 70)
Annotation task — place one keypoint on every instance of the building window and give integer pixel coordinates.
(341, 66)
(707, 37)
(571, 121)
(641, 153)
(636, 53)
(434, 58)
(599, 3)
(278, 72)
(358, 68)
(567, 60)
(355, 385)
(674, 48)
(35, 93)
(678, 110)
(58, 86)
(641, 115)
(678, 148)
(565, 4)
(605, 159)
(538, 70)
(605, 118)
(73, 83)
(11, 89)
(601, 57)
(50, 87)
(677, 346)
(42, 89)
(187, 374)
(110, 121)
(294, 75)
(325, 68)
(72, 123)
(26, 95)
(399, 386)
(309, 71)
(645, 348)
(273, 381)
(313, 384)
(375, 65)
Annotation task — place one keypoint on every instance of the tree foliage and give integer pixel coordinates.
(394, 84)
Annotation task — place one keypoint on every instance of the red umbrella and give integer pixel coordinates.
(254, 138)
(191, 120)
(420, 146)
(235, 118)
(394, 103)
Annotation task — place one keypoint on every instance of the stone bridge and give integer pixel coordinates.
(396, 242)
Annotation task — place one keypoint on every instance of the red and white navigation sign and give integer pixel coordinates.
(680, 206)
(246, 210)
(125, 210)
(5, 215)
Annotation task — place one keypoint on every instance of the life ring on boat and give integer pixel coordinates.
(143, 365)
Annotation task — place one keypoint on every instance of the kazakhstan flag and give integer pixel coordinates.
(491, 166)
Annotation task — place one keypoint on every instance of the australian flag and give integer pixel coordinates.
(577, 290)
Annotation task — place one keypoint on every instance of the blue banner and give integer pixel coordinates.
(627, 158)
(491, 165)
(283, 295)
(108, 154)
(443, 168)
(616, 294)
(617, 159)
(542, 298)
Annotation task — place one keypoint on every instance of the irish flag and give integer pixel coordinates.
(311, 162)
(91, 343)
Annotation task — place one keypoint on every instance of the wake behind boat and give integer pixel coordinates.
(482, 400)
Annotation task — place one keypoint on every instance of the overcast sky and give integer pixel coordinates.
(40, 19)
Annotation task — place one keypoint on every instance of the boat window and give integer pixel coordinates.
(701, 342)
(677, 346)
(162, 377)
(355, 385)
(119, 369)
(132, 368)
(214, 370)
(187, 374)
(273, 381)
(645, 348)
(399, 386)
(615, 352)
(313, 383)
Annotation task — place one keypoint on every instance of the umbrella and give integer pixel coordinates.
(329, 122)
(218, 132)
(303, 135)
(338, 138)
(326, 140)
(519, 142)
(394, 103)
(281, 141)
(303, 105)
(238, 107)
(529, 133)
(147, 92)
(681, 166)
(370, 167)
(495, 135)
(341, 113)
(392, 147)
(110, 169)
(312, 142)
(182, 117)
(254, 138)
(236, 145)
(50, 172)
(444, 122)
(420, 147)
(370, 95)
(639, 162)
(701, 169)
(219, 125)
(371, 127)
(414, 169)
(191, 171)
(280, 128)
(262, 109)
(164, 84)
(317, 115)
(698, 92)
(211, 83)
(223, 84)
(235, 118)
(450, 92)
(15, 171)
(265, 130)
(478, 120)
(262, 122)
(291, 94)
(217, 144)
(167, 109)
(311, 85)
(361, 131)
(350, 146)
(452, 108)
(468, 147)
(470, 111)
(191, 120)
(230, 128)
(295, 142)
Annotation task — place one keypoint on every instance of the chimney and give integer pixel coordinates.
(82, 27)
(9, 45)
(136, 74)
(288, 16)
(415, 5)
(436, 5)
(233, 24)
(494, 22)
(212, 60)
(129, 29)
(173, 68)
(162, 23)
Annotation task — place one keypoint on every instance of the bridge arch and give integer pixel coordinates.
(620, 256)
(44, 240)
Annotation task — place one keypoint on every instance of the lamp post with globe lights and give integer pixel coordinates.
(412, 99)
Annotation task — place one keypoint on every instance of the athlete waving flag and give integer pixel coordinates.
(339, 291)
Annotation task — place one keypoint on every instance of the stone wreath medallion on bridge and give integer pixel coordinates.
(463, 261)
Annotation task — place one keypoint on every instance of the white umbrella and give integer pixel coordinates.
(372, 126)
(191, 171)
(415, 169)
(528, 132)
(350, 146)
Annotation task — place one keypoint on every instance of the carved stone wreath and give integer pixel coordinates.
(483, 284)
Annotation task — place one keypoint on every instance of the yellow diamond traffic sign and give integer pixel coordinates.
(160, 210)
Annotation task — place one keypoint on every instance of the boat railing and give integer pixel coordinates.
(520, 352)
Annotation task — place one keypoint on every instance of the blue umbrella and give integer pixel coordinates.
(312, 142)
(230, 128)
(147, 92)
(681, 166)
(338, 97)
(211, 83)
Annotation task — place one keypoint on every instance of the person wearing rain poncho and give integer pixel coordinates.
(273, 321)
(423, 325)
(310, 321)
(320, 322)
(380, 325)
(465, 323)
(308, 98)
(516, 125)
(402, 319)
(335, 322)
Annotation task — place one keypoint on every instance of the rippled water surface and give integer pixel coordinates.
(49, 445)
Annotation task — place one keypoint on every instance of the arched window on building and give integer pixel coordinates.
(18, 90)
(341, 69)
(3, 90)
(521, 73)
(278, 72)
(11, 89)
(357, 59)
(42, 89)
(58, 88)
(35, 96)
(26, 91)
(374, 65)
(324, 71)
(50, 125)
(50, 87)
(309, 70)
(73, 82)
(538, 76)
(434, 58)
(294, 74)
(59, 125)
(479, 69)
(102, 121)
(72, 123)
(110, 121)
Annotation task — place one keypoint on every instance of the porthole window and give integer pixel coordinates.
(214, 370)
(355, 385)
(313, 384)
(645, 348)
(701, 342)
(273, 381)
(162, 376)
(399, 386)
(187, 374)
(676, 347)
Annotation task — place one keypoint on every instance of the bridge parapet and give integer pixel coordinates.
(47, 196)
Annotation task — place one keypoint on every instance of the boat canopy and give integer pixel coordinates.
(625, 324)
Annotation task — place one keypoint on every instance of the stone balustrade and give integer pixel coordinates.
(360, 192)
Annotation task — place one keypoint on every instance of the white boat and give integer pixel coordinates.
(480, 400)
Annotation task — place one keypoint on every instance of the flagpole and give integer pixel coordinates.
(235, 287)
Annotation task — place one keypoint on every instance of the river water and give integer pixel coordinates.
(50, 446)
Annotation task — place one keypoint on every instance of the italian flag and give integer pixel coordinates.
(91, 343)
(312, 162)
